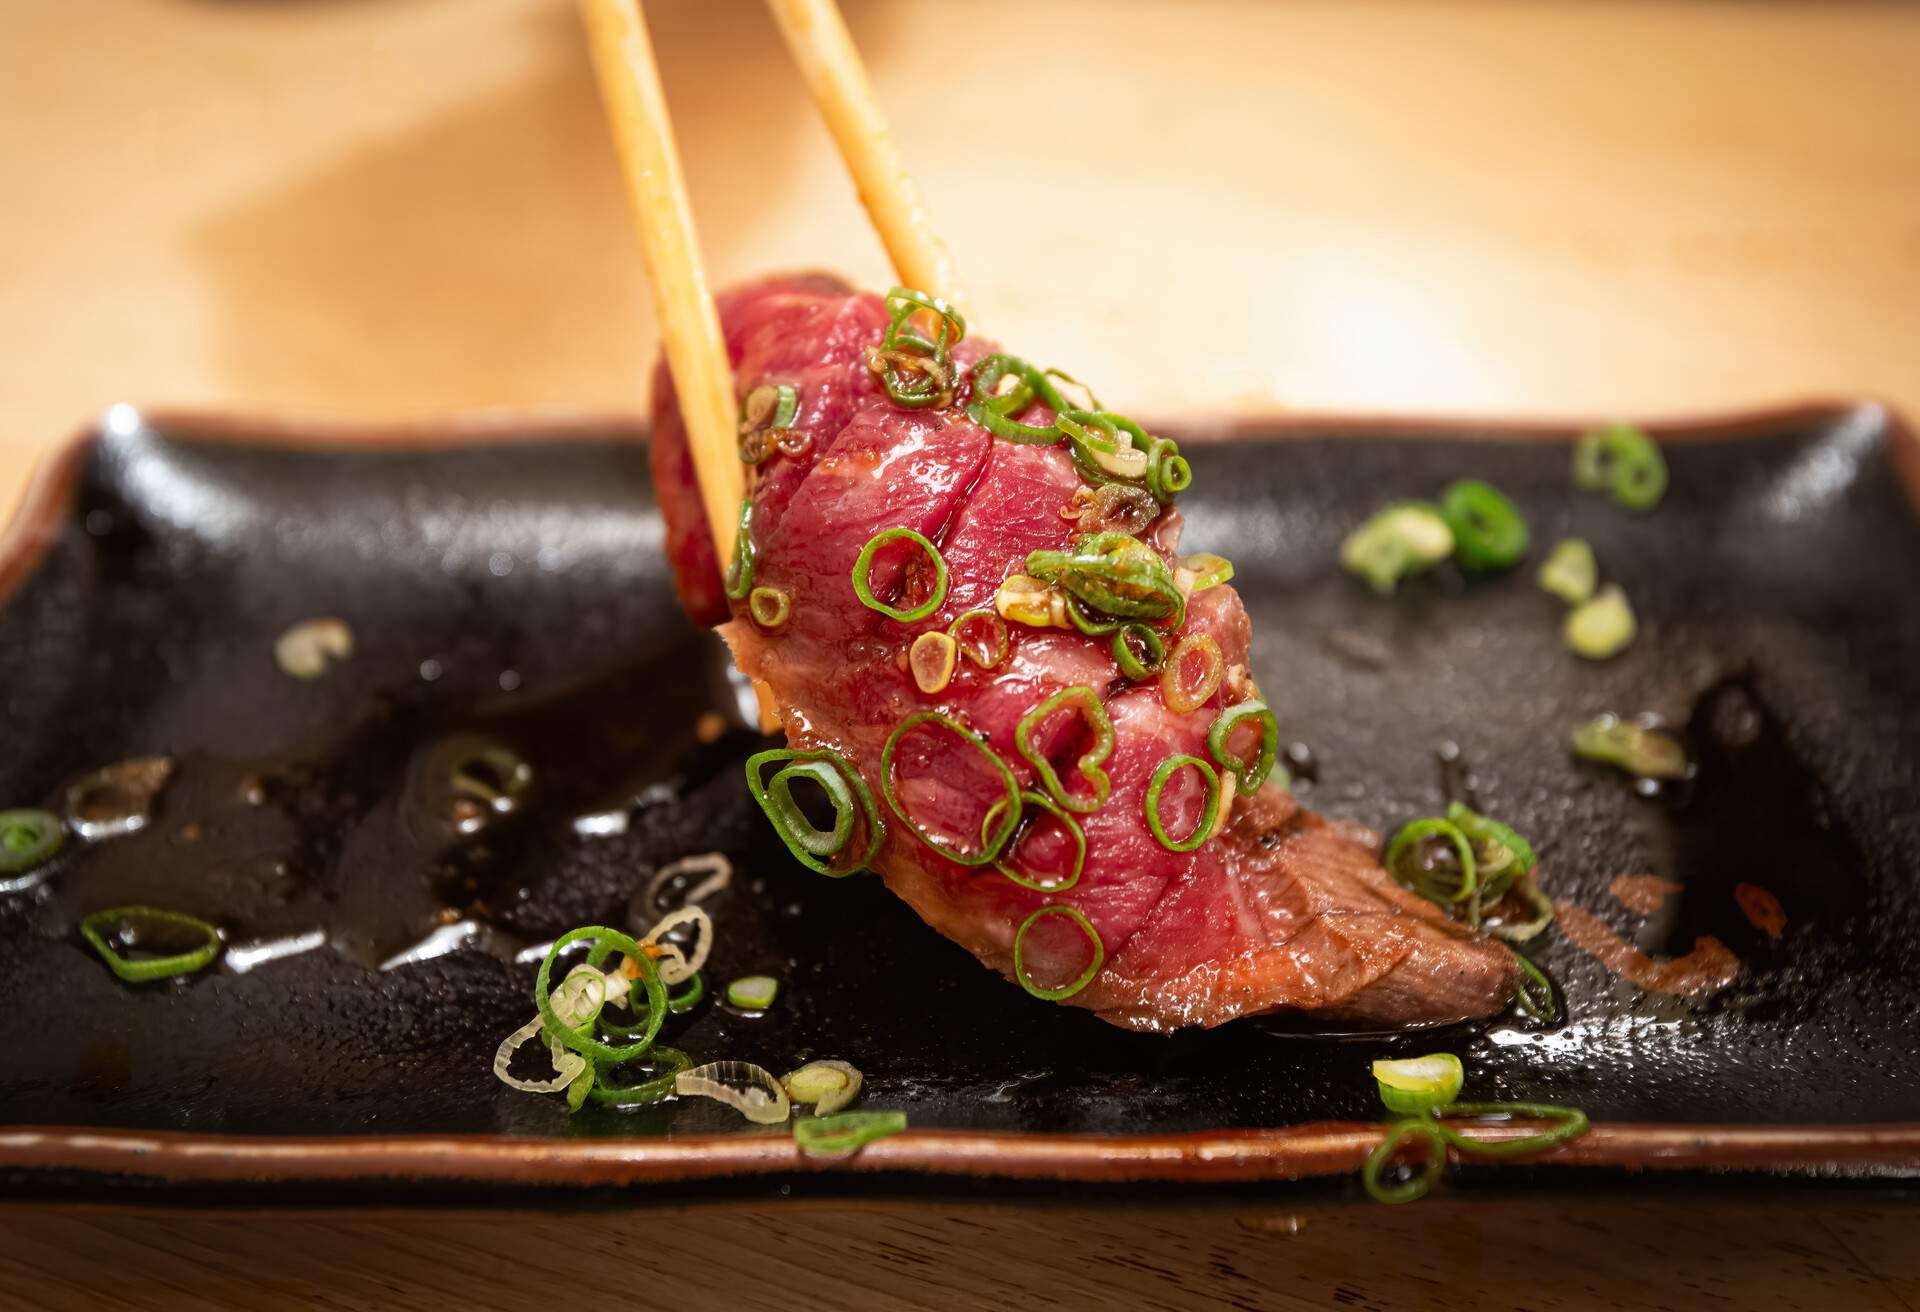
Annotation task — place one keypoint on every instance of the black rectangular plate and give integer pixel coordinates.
(513, 585)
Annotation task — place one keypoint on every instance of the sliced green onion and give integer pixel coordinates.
(1389, 1147)
(1031, 798)
(991, 846)
(1169, 475)
(1139, 650)
(845, 790)
(1624, 461)
(826, 1086)
(1208, 571)
(1251, 770)
(124, 922)
(1488, 531)
(845, 1134)
(1114, 574)
(28, 836)
(739, 579)
(1110, 448)
(1572, 1124)
(669, 1061)
(753, 992)
(1023, 599)
(931, 657)
(864, 563)
(1501, 856)
(769, 607)
(751, 1090)
(1094, 713)
(582, 1040)
(1403, 539)
(581, 997)
(1183, 691)
(1419, 1084)
(1404, 861)
(766, 409)
(1520, 931)
(993, 408)
(1601, 628)
(688, 998)
(982, 636)
(1080, 981)
(1570, 572)
(1535, 993)
(916, 369)
(1640, 751)
(488, 772)
(305, 650)
(1203, 829)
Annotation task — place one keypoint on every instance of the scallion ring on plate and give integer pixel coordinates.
(753, 1091)
(1253, 768)
(846, 792)
(1624, 461)
(1210, 811)
(990, 848)
(1403, 539)
(1097, 958)
(669, 1061)
(127, 922)
(1501, 856)
(1415, 1186)
(1412, 1085)
(1640, 750)
(864, 564)
(583, 1041)
(28, 837)
(1094, 715)
(1571, 1124)
(1488, 531)
(1404, 861)
(1535, 993)
(1601, 628)
(1067, 820)
(1570, 572)
(753, 992)
(826, 1086)
(845, 1134)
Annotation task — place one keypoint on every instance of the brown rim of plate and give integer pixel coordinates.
(1243, 1156)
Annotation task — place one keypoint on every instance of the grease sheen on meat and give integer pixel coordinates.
(1279, 910)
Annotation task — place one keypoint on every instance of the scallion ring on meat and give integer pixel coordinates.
(1066, 818)
(1489, 533)
(581, 1039)
(1535, 994)
(770, 607)
(739, 579)
(1406, 860)
(1184, 686)
(1168, 473)
(982, 636)
(845, 791)
(28, 837)
(1520, 931)
(992, 406)
(1114, 574)
(126, 923)
(915, 368)
(845, 1134)
(931, 658)
(1206, 569)
(1139, 650)
(1087, 702)
(1097, 958)
(1253, 768)
(1501, 856)
(864, 563)
(1624, 461)
(993, 843)
(1209, 814)
(765, 410)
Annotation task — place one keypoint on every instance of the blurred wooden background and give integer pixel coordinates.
(384, 207)
(404, 207)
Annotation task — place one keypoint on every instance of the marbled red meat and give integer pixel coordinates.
(1279, 909)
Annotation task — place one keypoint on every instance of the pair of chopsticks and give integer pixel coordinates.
(643, 135)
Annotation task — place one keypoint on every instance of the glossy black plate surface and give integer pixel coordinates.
(516, 588)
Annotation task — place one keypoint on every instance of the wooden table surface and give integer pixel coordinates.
(409, 207)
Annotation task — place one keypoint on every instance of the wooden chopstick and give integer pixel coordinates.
(824, 50)
(689, 328)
